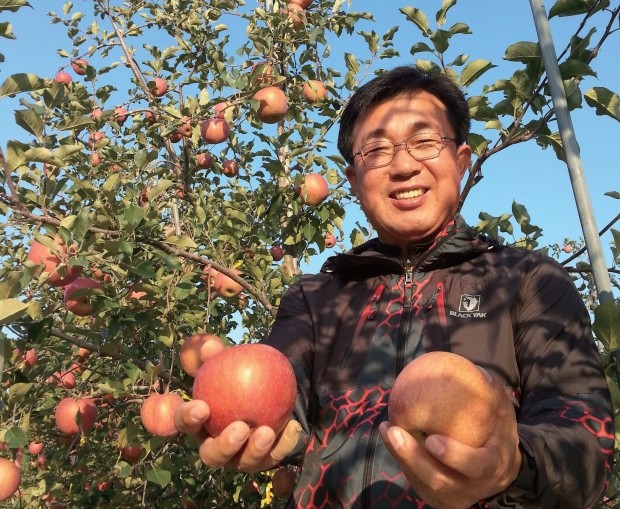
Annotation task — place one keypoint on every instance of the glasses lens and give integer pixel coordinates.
(424, 146)
(378, 153)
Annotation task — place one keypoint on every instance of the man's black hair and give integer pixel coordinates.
(403, 80)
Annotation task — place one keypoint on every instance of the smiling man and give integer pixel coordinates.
(428, 282)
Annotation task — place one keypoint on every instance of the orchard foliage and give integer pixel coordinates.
(110, 165)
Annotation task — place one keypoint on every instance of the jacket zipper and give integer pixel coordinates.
(400, 361)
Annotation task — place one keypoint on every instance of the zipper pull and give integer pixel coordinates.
(408, 286)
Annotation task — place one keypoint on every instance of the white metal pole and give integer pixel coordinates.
(571, 149)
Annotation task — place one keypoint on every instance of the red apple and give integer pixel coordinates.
(262, 73)
(30, 357)
(204, 160)
(64, 379)
(10, 477)
(121, 114)
(284, 481)
(175, 137)
(80, 303)
(444, 393)
(158, 87)
(330, 240)
(214, 130)
(97, 113)
(277, 253)
(95, 139)
(157, 413)
(150, 117)
(79, 66)
(568, 248)
(185, 129)
(253, 383)
(296, 13)
(220, 109)
(35, 448)
(230, 168)
(58, 276)
(132, 452)
(273, 104)
(74, 415)
(189, 352)
(304, 4)
(314, 91)
(63, 77)
(95, 159)
(314, 189)
(226, 286)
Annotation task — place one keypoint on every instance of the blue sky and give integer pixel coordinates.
(526, 174)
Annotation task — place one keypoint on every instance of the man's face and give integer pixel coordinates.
(408, 201)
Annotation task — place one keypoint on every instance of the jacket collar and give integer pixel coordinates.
(455, 243)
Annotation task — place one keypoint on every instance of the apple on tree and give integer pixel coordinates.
(330, 240)
(226, 286)
(277, 253)
(214, 130)
(314, 91)
(157, 413)
(79, 66)
(55, 262)
(273, 104)
(78, 295)
(314, 189)
(158, 87)
(121, 114)
(63, 77)
(189, 352)
(253, 383)
(205, 160)
(35, 447)
(75, 415)
(230, 168)
(444, 393)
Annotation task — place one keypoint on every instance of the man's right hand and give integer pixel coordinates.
(238, 446)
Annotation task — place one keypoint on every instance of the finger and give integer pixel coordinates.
(218, 451)
(211, 347)
(254, 456)
(190, 416)
(286, 441)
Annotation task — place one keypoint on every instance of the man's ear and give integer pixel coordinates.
(352, 178)
(463, 157)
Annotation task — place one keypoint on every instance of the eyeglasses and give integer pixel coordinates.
(421, 147)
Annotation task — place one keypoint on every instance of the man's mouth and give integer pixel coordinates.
(409, 194)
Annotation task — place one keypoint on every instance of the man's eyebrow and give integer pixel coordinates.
(417, 126)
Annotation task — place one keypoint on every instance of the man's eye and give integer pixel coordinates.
(378, 150)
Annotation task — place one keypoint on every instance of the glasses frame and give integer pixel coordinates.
(404, 144)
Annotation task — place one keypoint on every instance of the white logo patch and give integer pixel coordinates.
(469, 307)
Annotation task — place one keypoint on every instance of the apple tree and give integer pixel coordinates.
(171, 180)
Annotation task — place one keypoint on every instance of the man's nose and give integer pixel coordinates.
(403, 162)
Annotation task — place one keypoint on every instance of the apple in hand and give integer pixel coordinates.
(10, 477)
(253, 383)
(444, 393)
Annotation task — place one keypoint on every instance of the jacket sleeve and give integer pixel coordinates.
(293, 335)
(565, 419)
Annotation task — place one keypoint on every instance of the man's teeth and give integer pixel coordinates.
(407, 195)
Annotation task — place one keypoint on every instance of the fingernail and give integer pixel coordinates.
(263, 441)
(486, 373)
(397, 438)
(435, 445)
(238, 436)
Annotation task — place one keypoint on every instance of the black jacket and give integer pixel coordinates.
(350, 330)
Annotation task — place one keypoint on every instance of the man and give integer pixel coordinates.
(428, 283)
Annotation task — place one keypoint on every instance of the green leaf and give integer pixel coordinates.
(183, 241)
(417, 17)
(351, 63)
(144, 269)
(158, 476)
(19, 390)
(42, 155)
(134, 215)
(21, 82)
(574, 7)
(523, 52)
(14, 309)
(29, 121)
(474, 70)
(76, 123)
(10, 284)
(16, 437)
(158, 189)
(171, 261)
(613, 194)
(604, 101)
(606, 325)
(13, 5)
